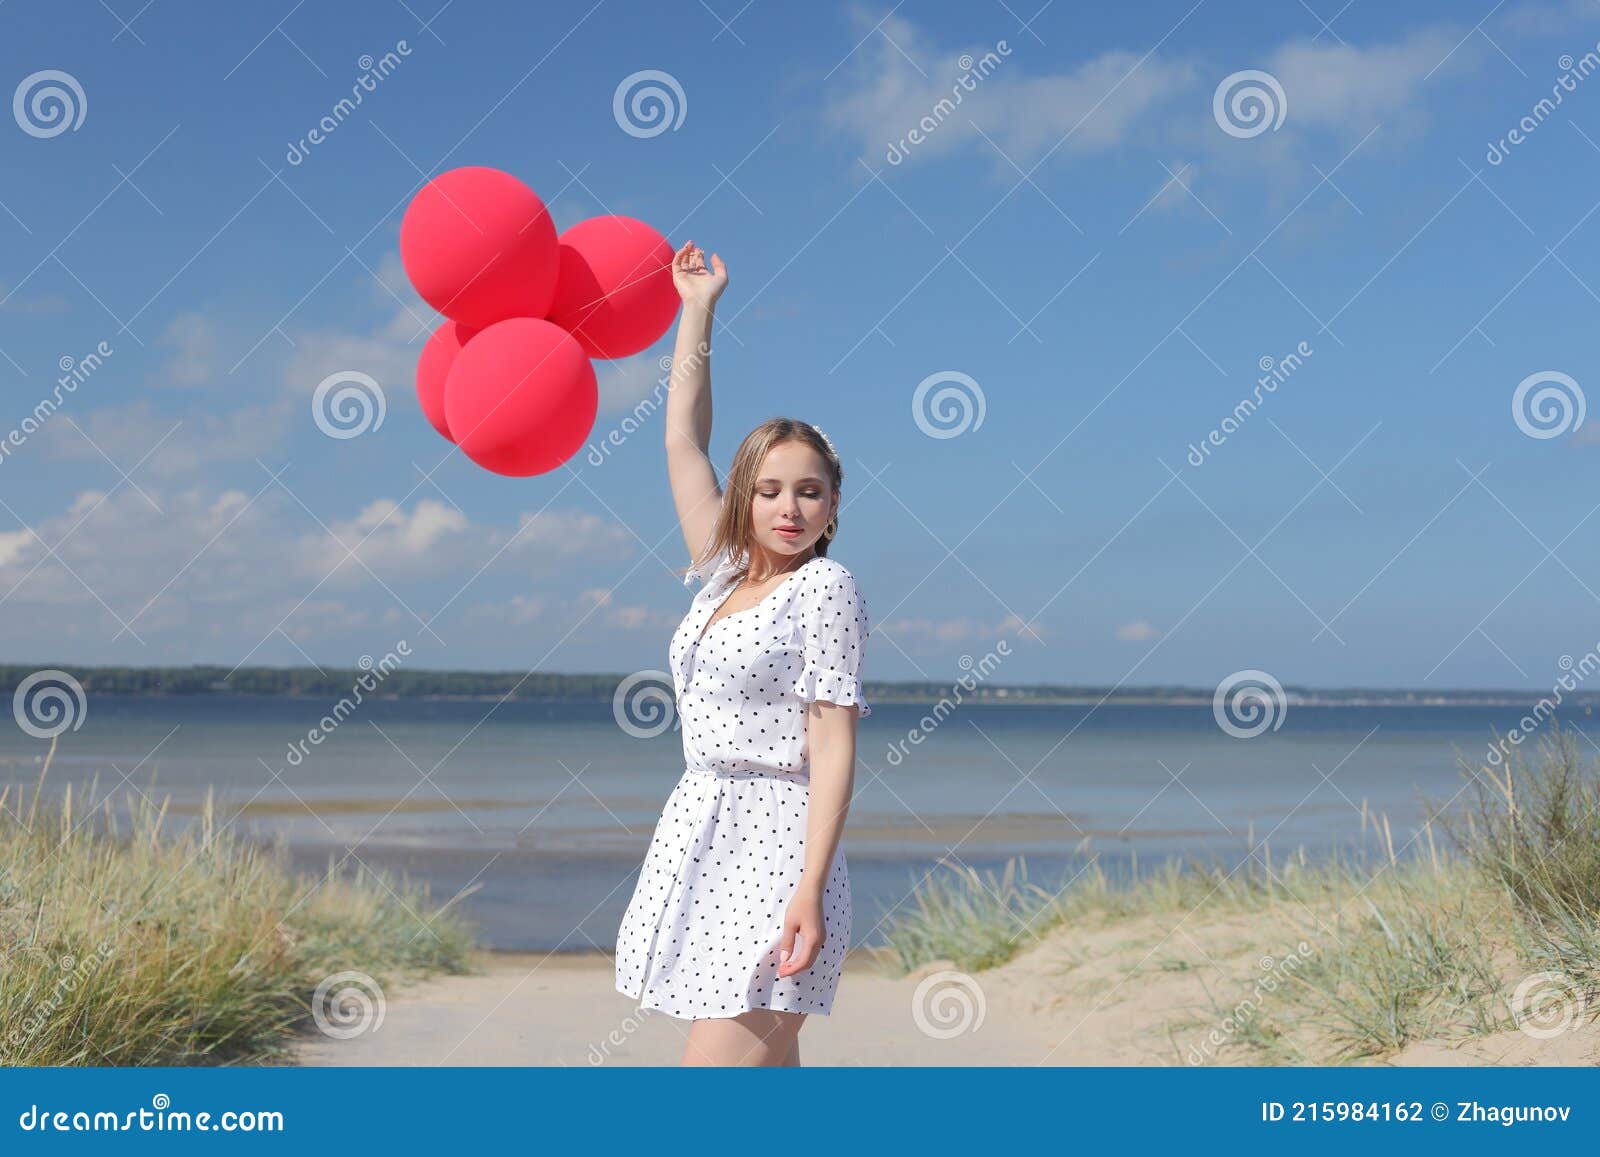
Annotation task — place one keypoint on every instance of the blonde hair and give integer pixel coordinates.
(733, 526)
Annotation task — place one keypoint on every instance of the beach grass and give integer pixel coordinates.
(1426, 940)
(126, 942)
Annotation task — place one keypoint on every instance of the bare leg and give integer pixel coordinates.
(760, 1037)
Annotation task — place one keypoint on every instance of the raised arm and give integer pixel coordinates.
(695, 491)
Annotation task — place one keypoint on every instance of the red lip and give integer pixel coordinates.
(787, 529)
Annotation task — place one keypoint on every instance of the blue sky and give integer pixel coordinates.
(1082, 238)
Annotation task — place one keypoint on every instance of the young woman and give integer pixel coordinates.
(741, 917)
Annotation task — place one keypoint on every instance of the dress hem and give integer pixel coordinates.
(633, 994)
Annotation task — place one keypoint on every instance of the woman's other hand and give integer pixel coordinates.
(803, 918)
(696, 284)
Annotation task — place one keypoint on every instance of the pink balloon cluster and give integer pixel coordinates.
(508, 377)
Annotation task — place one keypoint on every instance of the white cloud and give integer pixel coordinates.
(1161, 100)
(567, 211)
(1100, 103)
(961, 630)
(1547, 19)
(158, 560)
(1587, 434)
(626, 382)
(148, 444)
(15, 301)
(388, 353)
(634, 618)
(555, 538)
(390, 540)
(196, 352)
(516, 611)
(628, 616)
(1350, 88)
(1094, 105)
(232, 567)
(592, 609)
(391, 285)
(11, 545)
(436, 539)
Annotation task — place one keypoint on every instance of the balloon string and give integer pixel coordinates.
(504, 397)
(625, 285)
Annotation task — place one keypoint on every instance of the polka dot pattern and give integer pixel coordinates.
(701, 934)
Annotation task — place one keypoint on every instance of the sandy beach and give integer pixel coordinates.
(1133, 992)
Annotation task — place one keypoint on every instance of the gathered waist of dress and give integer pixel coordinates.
(799, 774)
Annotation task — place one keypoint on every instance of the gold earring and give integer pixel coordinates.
(832, 528)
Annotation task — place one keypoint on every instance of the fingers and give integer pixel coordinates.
(682, 260)
(810, 946)
(786, 947)
(692, 259)
(807, 957)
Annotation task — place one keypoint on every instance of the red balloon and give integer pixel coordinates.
(433, 365)
(615, 292)
(521, 397)
(479, 246)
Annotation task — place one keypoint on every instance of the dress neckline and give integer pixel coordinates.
(713, 621)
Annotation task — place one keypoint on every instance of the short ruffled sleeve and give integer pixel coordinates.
(834, 624)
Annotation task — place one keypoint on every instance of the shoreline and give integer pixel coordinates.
(1467, 699)
(200, 681)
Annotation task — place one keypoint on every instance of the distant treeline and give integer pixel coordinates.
(404, 683)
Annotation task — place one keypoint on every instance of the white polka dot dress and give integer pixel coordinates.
(701, 935)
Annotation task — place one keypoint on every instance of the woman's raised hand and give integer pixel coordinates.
(696, 284)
